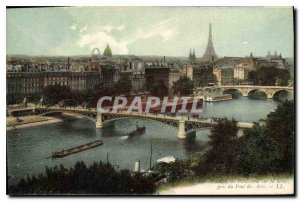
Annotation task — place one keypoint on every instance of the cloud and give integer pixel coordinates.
(121, 27)
(245, 42)
(108, 28)
(83, 29)
(103, 37)
(73, 27)
(100, 39)
(162, 28)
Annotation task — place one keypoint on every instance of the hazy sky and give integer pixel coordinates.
(169, 31)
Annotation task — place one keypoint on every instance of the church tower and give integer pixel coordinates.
(210, 54)
(192, 56)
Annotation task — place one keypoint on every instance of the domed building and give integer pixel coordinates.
(107, 52)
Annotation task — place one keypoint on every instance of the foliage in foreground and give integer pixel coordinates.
(270, 147)
(265, 149)
(99, 178)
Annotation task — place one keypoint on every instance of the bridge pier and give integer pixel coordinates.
(269, 95)
(245, 93)
(8, 112)
(99, 123)
(34, 110)
(181, 130)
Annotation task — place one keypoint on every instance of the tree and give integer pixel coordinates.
(280, 127)
(123, 85)
(104, 90)
(253, 76)
(283, 76)
(156, 87)
(99, 178)
(270, 147)
(223, 154)
(259, 154)
(267, 75)
(56, 93)
(183, 86)
(149, 83)
(79, 96)
(159, 89)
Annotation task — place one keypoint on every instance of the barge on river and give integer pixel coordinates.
(223, 97)
(74, 150)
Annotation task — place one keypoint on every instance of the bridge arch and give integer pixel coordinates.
(110, 118)
(90, 116)
(232, 89)
(277, 92)
(252, 91)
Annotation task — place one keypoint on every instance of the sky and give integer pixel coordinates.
(164, 31)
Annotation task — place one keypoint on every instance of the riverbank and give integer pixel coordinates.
(29, 121)
(232, 185)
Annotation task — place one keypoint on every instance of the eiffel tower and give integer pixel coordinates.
(210, 54)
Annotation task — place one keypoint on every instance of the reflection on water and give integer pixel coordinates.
(28, 149)
(191, 145)
(242, 109)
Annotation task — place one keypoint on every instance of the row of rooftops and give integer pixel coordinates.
(53, 73)
(252, 62)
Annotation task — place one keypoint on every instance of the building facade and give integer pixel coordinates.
(30, 84)
(200, 74)
(224, 76)
(174, 76)
(159, 73)
(134, 70)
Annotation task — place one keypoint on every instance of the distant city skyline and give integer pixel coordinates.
(141, 31)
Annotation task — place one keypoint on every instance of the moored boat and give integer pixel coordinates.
(217, 98)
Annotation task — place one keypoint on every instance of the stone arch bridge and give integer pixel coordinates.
(246, 90)
(185, 125)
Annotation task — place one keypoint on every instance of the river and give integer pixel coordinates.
(28, 149)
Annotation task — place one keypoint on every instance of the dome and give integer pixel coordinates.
(107, 52)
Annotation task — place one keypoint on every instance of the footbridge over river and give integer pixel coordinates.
(183, 123)
(245, 90)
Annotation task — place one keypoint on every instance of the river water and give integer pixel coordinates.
(28, 149)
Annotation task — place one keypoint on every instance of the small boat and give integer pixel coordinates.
(137, 131)
(63, 153)
(167, 159)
